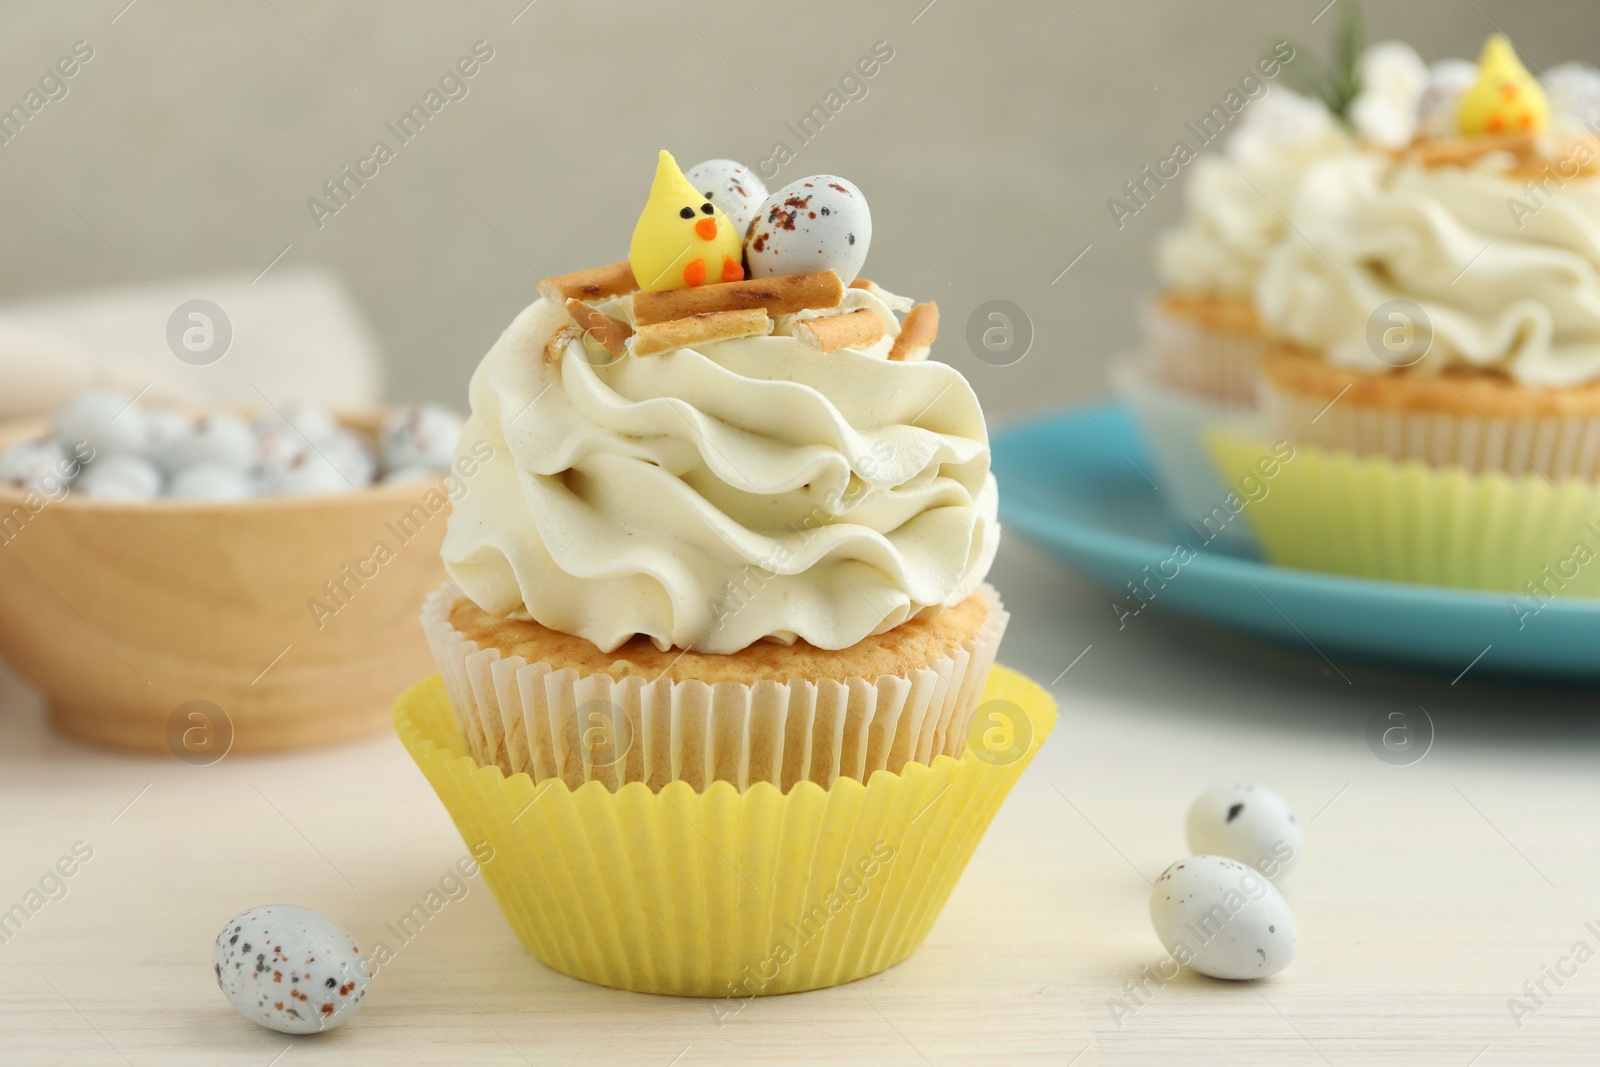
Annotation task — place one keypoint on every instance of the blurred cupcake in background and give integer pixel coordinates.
(1437, 311)
(1205, 335)
(1448, 294)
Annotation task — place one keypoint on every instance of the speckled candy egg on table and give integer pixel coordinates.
(1249, 823)
(1222, 919)
(290, 969)
(814, 224)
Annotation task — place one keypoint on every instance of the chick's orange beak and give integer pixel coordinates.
(707, 229)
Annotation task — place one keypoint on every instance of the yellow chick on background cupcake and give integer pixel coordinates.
(1505, 97)
(682, 239)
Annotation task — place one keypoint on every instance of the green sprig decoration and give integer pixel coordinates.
(1336, 83)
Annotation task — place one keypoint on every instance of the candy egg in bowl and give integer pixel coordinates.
(270, 604)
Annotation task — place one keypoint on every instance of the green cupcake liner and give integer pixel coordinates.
(1409, 522)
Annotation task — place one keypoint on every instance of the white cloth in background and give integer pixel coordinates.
(296, 334)
(39, 370)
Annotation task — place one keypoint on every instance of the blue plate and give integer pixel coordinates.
(1073, 484)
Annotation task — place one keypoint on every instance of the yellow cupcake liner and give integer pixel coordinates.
(1373, 517)
(724, 893)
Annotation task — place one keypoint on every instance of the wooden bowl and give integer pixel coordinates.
(293, 619)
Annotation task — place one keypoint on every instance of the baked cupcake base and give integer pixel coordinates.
(1206, 345)
(723, 893)
(535, 701)
(1174, 426)
(1476, 421)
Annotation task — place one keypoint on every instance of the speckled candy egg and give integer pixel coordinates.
(815, 224)
(307, 474)
(1574, 90)
(119, 477)
(410, 475)
(38, 464)
(290, 969)
(214, 438)
(731, 186)
(212, 481)
(312, 420)
(277, 448)
(1448, 82)
(108, 423)
(352, 455)
(1222, 919)
(419, 435)
(1249, 823)
(287, 430)
(163, 430)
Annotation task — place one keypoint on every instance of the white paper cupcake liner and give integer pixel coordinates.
(1175, 426)
(1190, 357)
(1557, 448)
(531, 718)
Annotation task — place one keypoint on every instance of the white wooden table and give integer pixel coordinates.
(1428, 896)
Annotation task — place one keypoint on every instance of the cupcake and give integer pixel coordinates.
(1205, 336)
(726, 555)
(1436, 363)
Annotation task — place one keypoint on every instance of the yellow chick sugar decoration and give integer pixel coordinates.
(682, 239)
(1506, 98)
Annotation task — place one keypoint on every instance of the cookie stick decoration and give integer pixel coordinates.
(682, 239)
(917, 333)
(829, 333)
(596, 283)
(776, 296)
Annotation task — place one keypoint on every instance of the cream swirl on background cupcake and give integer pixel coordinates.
(1233, 200)
(717, 496)
(1236, 201)
(1503, 291)
(1204, 339)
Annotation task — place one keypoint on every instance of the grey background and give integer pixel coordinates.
(988, 145)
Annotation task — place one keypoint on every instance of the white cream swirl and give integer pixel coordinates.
(710, 498)
(1234, 202)
(1513, 289)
